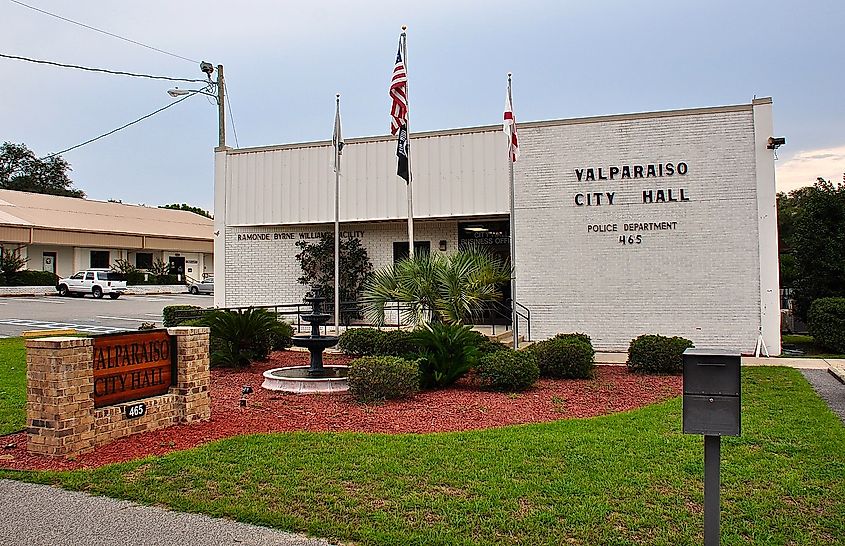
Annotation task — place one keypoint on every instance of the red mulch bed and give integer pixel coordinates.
(461, 407)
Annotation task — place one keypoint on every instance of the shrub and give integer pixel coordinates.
(826, 322)
(281, 335)
(29, 277)
(168, 314)
(508, 370)
(10, 263)
(397, 343)
(447, 352)
(580, 337)
(485, 345)
(375, 378)
(569, 358)
(239, 338)
(147, 326)
(360, 341)
(657, 354)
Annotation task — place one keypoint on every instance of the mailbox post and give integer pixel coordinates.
(712, 408)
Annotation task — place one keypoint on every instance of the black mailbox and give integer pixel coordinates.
(711, 392)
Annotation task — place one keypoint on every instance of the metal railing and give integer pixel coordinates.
(351, 315)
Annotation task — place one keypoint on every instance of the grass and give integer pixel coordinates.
(807, 345)
(12, 385)
(624, 479)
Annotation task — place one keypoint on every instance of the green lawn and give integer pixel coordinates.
(12, 385)
(807, 345)
(628, 478)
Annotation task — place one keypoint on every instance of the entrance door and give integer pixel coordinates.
(494, 237)
(48, 262)
(177, 266)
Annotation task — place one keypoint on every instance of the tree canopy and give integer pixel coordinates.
(21, 170)
(189, 208)
(811, 223)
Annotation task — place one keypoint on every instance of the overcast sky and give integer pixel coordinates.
(284, 62)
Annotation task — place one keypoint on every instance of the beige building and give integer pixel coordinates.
(65, 234)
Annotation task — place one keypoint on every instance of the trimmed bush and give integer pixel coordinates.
(447, 352)
(397, 343)
(568, 358)
(580, 337)
(377, 378)
(826, 322)
(168, 314)
(485, 345)
(29, 277)
(360, 341)
(657, 354)
(508, 370)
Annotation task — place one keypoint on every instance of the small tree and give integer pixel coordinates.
(10, 263)
(188, 208)
(317, 263)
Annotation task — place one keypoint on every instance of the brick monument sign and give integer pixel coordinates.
(84, 392)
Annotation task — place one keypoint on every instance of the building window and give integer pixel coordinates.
(99, 259)
(400, 249)
(143, 260)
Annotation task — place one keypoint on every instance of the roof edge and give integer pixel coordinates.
(498, 127)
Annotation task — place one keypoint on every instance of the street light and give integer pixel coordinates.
(219, 97)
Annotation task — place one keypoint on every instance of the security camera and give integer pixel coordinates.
(775, 142)
(208, 68)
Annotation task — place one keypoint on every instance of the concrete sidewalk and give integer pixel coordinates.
(620, 359)
(39, 515)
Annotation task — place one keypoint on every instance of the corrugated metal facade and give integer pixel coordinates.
(456, 174)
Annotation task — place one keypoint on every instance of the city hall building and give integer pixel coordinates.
(658, 222)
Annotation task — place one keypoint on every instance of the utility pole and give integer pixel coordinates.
(221, 107)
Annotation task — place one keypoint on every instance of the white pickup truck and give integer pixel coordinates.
(93, 281)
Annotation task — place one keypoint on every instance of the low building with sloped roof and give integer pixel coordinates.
(66, 234)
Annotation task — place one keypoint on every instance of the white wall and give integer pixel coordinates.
(264, 270)
(700, 280)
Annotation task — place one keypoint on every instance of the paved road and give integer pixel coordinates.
(39, 515)
(19, 314)
(829, 388)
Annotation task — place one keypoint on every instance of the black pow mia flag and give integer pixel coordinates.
(402, 153)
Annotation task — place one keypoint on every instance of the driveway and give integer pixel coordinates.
(19, 314)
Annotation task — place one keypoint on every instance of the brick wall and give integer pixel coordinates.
(699, 280)
(264, 271)
(61, 418)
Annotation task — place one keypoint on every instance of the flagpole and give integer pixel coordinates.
(404, 37)
(514, 315)
(337, 152)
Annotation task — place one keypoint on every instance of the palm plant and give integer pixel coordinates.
(436, 287)
(239, 338)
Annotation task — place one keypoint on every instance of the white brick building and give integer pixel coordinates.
(661, 222)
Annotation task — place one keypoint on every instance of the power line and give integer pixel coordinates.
(103, 70)
(103, 31)
(121, 127)
(235, 131)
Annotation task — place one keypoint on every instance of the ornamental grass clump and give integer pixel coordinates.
(379, 378)
(508, 370)
(565, 358)
(657, 354)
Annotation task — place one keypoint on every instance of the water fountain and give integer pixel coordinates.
(316, 377)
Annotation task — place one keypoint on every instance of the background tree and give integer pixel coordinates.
(811, 222)
(20, 170)
(317, 263)
(189, 208)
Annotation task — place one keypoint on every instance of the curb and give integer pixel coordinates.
(837, 372)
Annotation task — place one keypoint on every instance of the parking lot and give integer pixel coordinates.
(97, 316)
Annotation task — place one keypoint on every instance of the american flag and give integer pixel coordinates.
(399, 93)
(509, 128)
